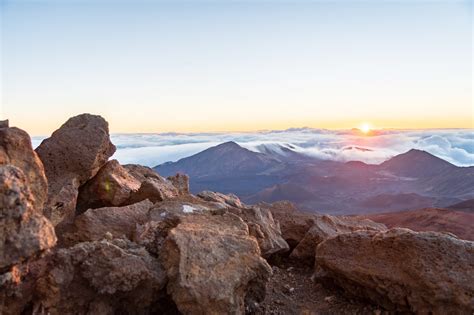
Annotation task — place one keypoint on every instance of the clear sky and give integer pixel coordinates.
(153, 66)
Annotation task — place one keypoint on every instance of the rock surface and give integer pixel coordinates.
(101, 277)
(16, 149)
(213, 265)
(93, 224)
(71, 156)
(155, 190)
(402, 270)
(181, 182)
(111, 187)
(24, 232)
(229, 199)
(327, 226)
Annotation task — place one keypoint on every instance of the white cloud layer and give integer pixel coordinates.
(453, 145)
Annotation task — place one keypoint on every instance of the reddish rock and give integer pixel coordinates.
(93, 224)
(16, 149)
(71, 156)
(111, 187)
(154, 190)
(213, 265)
(101, 277)
(402, 270)
(142, 173)
(294, 224)
(181, 182)
(328, 226)
(24, 232)
(229, 199)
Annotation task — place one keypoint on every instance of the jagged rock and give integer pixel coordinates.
(71, 156)
(294, 224)
(24, 232)
(4, 123)
(142, 173)
(213, 265)
(101, 276)
(229, 199)
(402, 270)
(181, 182)
(111, 187)
(154, 190)
(264, 229)
(16, 149)
(327, 226)
(93, 224)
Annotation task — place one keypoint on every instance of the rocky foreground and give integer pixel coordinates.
(82, 234)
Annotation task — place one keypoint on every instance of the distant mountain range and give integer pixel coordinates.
(411, 180)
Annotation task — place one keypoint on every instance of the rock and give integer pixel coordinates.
(111, 187)
(4, 123)
(264, 229)
(213, 265)
(101, 276)
(294, 224)
(71, 156)
(16, 149)
(327, 226)
(181, 182)
(93, 224)
(24, 232)
(402, 270)
(155, 190)
(142, 173)
(230, 199)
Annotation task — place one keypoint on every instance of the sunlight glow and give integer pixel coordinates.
(365, 128)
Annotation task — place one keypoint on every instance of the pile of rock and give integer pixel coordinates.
(83, 234)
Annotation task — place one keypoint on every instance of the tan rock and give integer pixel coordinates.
(111, 187)
(181, 182)
(229, 199)
(402, 270)
(327, 226)
(24, 232)
(142, 173)
(94, 224)
(213, 265)
(16, 149)
(101, 276)
(71, 156)
(155, 190)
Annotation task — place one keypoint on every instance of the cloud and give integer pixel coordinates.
(453, 145)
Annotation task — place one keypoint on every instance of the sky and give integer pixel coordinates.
(195, 66)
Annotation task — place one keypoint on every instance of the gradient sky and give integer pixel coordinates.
(154, 66)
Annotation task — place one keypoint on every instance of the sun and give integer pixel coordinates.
(365, 128)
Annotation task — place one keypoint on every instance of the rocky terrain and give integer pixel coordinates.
(82, 234)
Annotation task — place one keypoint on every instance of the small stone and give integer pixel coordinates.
(109, 236)
(4, 123)
(377, 312)
(290, 269)
(329, 299)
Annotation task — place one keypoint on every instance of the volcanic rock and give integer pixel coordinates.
(16, 149)
(24, 231)
(327, 226)
(402, 270)
(71, 156)
(101, 277)
(230, 199)
(111, 187)
(93, 224)
(4, 123)
(181, 182)
(213, 265)
(155, 190)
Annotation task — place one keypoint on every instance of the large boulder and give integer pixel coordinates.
(327, 226)
(402, 270)
(94, 224)
(111, 187)
(24, 231)
(16, 149)
(101, 277)
(227, 200)
(213, 265)
(71, 156)
(294, 224)
(155, 190)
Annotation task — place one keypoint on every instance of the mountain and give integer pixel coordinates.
(430, 219)
(416, 163)
(415, 179)
(467, 205)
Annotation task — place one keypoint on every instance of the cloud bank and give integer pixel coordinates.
(453, 145)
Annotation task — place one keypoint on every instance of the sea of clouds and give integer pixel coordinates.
(453, 145)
